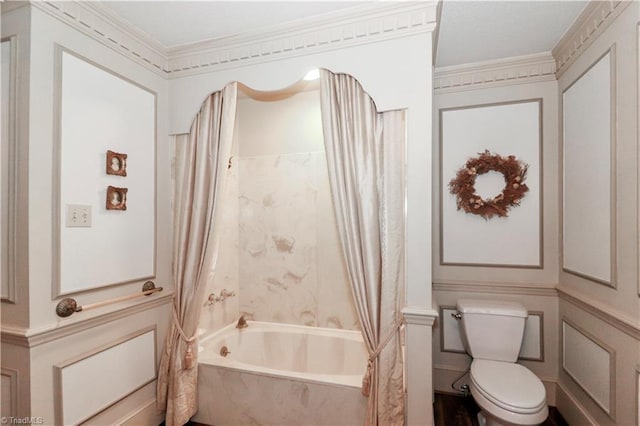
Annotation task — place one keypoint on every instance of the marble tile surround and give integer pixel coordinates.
(230, 397)
(290, 260)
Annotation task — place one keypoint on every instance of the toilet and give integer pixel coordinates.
(506, 392)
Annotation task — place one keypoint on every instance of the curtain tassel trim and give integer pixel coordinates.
(189, 359)
(366, 380)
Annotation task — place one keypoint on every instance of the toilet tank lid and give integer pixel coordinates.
(494, 307)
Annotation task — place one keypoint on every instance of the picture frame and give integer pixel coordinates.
(116, 198)
(116, 163)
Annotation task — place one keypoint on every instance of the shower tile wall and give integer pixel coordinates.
(291, 266)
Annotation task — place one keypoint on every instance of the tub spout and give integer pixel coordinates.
(242, 323)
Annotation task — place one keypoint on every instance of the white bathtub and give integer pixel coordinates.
(281, 374)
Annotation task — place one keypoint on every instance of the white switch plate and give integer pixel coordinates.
(78, 216)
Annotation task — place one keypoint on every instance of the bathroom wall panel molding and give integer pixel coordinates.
(450, 338)
(364, 24)
(592, 22)
(466, 130)
(12, 393)
(30, 337)
(627, 325)
(584, 210)
(637, 399)
(590, 363)
(70, 248)
(529, 289)
(106, 27)
(71, 381)
(9, 179)
(572, 410)
(496, 73)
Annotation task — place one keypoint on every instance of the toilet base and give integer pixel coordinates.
(487, 420)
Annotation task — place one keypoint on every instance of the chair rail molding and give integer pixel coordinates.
(593, 21)
(495, 73)
(528, 289)
(31, 337)
(362, 24)
(627, 325)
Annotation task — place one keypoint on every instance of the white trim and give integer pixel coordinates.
(9, 213)
(610, 407)
(369, 23)
(603, 312)
(113, 33)
(593, 21)
(419, 316)
(495, 73)
(577, 408)
(31, 337)
(528, 289)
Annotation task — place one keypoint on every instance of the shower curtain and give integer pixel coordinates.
(203, 155)
(365, 156)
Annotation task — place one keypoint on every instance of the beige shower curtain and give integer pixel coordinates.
(203, 155)
(365, 156)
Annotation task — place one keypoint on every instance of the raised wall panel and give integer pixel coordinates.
(96, 380)
(100, 111)
(588, 143)
(590, 364)
(7, 164)
(9, 407)
(510, 128)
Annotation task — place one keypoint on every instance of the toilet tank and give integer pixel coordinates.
(492, 329)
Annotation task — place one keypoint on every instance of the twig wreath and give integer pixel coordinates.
(463, 186)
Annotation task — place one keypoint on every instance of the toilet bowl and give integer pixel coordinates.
(506, 392)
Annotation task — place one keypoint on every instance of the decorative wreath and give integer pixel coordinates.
(463, 186)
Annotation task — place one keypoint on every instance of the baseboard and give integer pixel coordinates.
(147, 414)
(572, 411)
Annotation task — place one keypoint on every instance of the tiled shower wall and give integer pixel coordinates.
(279, 249)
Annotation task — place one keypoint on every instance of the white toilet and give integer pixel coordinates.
(507, 393)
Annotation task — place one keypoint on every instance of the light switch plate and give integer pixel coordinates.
(78, 216)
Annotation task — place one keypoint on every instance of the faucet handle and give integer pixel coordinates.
(226, 293)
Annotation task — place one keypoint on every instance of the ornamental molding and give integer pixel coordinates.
(368, 23)
(107, 28)
(501, 72)
(618, 320)
(31, 337)
(596, 17)
(520, 289)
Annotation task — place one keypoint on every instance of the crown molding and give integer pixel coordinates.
(109, 30)
(354, 26)
(501, 72)
(419, 316)
(593, 21)
(372, 22)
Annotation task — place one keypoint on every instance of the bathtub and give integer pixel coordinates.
(281, 374)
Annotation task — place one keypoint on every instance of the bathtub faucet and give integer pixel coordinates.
(242, 323)
(224, 294)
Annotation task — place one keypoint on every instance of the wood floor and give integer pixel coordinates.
(454, 410)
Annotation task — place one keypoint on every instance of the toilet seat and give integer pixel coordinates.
(508, 385)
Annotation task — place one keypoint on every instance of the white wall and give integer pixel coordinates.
(530, 280)
(34, 338)
(600, 312)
